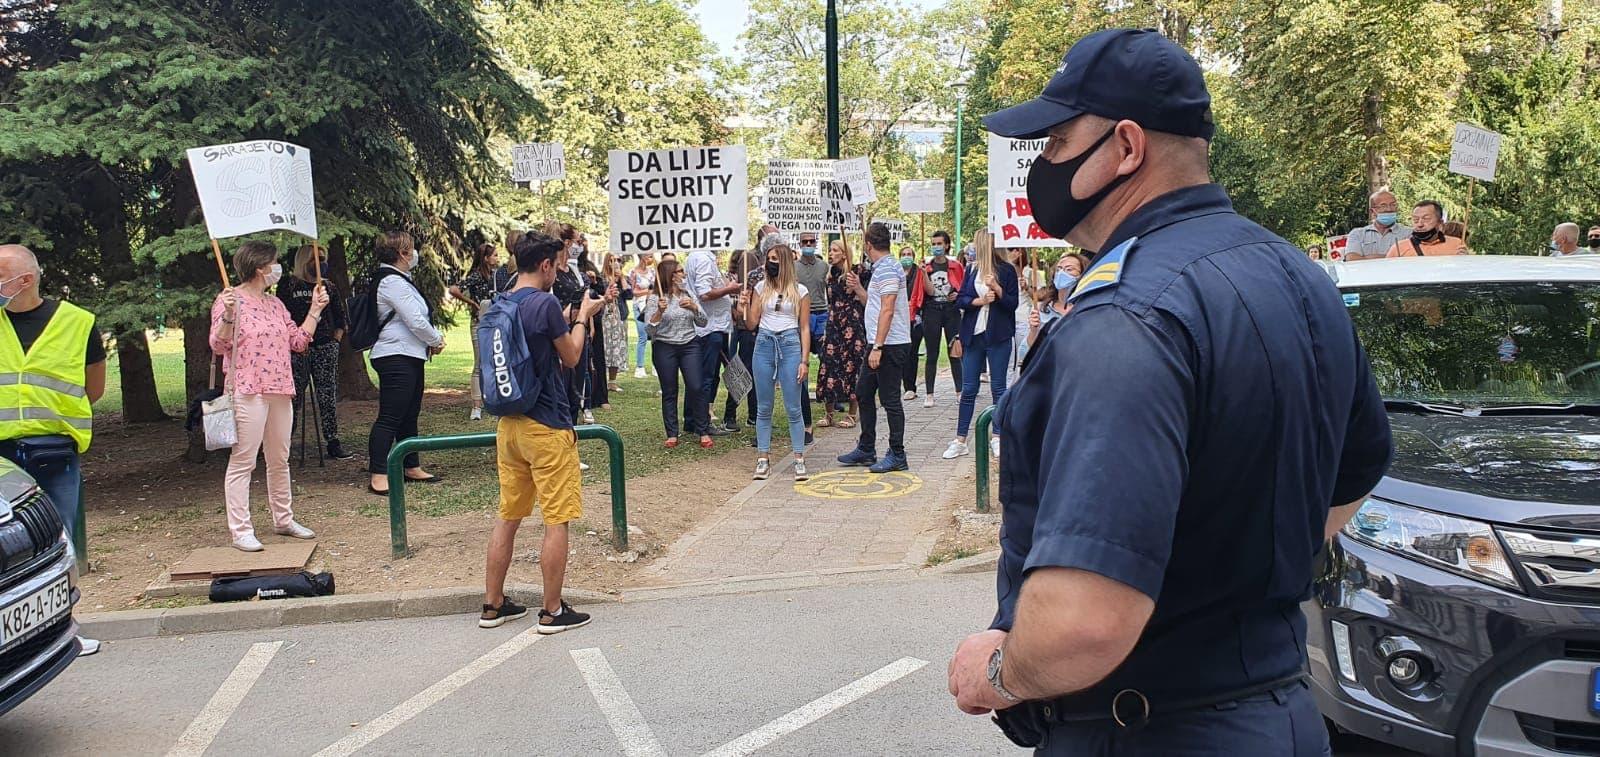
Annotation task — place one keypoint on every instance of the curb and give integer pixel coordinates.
(986, 562)
(250, 616)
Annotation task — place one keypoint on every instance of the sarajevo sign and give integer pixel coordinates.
(261, 185)
(792, 202)
(838, 210)
(1474, 152)
(538, 161)
(1010, 217)
(688, 198)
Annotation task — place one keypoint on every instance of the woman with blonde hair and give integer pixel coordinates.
(988, 302)
(775, 309)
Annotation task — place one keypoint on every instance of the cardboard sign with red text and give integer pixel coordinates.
(1010, 218)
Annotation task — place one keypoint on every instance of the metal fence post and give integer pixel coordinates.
(981, 434)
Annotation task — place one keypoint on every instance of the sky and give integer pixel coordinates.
(724, 20)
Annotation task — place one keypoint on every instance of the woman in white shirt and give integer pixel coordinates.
(404, 345)
(774, 309)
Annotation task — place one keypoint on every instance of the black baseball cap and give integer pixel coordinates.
(1122, 74)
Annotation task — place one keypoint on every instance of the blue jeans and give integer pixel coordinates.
(777, 363)
(713, 350)
(982, 352)
(644, 339)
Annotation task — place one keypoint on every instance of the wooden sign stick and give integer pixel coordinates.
(316, 260)
(222, 269)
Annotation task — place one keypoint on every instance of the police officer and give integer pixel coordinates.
(1178, 446)
(52, 368)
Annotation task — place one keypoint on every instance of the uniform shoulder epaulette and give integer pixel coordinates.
(1106, 271)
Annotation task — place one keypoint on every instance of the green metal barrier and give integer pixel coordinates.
(981, 433)
(397, 491)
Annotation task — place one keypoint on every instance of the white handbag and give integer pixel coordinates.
(216, 415)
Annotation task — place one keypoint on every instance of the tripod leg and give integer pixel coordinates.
(316, 422)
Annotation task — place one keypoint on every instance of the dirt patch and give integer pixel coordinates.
(967, 532)
(147, 509)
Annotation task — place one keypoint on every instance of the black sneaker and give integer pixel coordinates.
(568, 618)
(717, 431)
(731, 427)
(338, 452)
(494, 617)
(857, 458)
(810, 440)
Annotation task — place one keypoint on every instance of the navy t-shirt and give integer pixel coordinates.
(542, 324)
(1183, 431)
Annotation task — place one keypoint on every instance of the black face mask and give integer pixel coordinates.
(1050, 191)
(1427, 236)
(1594, 243)
(772, 270)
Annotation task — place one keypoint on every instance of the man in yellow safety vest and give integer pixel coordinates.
(52, 368)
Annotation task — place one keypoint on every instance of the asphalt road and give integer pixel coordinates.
(846, 670)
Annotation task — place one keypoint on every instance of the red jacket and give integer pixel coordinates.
(958, 274)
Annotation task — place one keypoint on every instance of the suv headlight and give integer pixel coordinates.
(1462, 546)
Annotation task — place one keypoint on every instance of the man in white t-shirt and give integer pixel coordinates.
(715, 292)
(888, 326)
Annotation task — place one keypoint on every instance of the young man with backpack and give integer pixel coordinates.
(527, 342)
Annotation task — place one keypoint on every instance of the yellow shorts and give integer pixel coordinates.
(538, 463)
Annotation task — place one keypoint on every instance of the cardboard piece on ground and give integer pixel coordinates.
(214, 562)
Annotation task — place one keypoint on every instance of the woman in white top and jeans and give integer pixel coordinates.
(404, 345)
(775, 309)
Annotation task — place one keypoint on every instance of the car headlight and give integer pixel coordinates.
(1462, 546)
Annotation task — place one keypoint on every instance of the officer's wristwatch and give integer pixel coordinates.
(995, 659)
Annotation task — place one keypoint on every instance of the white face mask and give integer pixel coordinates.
(416, 259)
(275, 273)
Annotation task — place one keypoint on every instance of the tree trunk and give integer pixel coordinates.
(197, 376)
(1372, 129)
(137, 378)
(354, 383)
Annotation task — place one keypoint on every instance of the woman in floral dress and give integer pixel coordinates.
(611, 320)
(846, 346)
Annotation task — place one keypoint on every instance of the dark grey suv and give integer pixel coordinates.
(38, 587)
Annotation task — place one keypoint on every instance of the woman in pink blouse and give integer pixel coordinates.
(252, 331)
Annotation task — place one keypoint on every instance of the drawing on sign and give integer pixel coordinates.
(857, 172)
(1474, 152)
(897, 229)
(538, 161)
(684, 199)
(792, 202)
(838, 210)
(262, 185)
(922, 196)
(1010, 216)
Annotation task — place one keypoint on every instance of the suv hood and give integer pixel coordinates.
(1541, 470)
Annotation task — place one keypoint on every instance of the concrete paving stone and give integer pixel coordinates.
(121, 624)
(233, 616)
(338, 609)
(431, 602)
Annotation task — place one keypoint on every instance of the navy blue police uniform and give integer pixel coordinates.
(1184, 431)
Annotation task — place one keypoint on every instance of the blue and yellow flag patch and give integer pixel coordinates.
(1107, 271)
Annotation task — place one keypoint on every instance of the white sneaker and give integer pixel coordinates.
(583, 466)
(956, 449)
(762, 469)
(800, 471)
(927, 401)
(477, 414)
(909, 396)
(588, 417)
(638, 373)
(296, 530)
(994, 448)
(247, 544)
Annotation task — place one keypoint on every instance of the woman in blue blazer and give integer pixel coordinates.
(988, 304)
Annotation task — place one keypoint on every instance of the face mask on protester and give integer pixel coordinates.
(5, 299)
(1594, 243)
(1064, 280)
(1050, 191)
(1554, 247)
(274, 273)
(772, 270)
(1427, 236)
(938, 250)
(907, 262)
(809, 252)
(1388, 219)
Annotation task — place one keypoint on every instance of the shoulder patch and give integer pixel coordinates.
(1107, 271)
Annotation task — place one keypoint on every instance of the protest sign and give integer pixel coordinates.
(1010, 216)
(1474, 152)
(1336, 246)
(922, 196)
(684, 199)
(538, 161)
(261, 185)
(897, 229)
(792, 202)
(857, 172)
(838, 209)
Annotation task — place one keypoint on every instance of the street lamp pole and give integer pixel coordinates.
(832, 45)
(960, 100)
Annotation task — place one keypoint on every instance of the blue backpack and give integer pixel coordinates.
(510, 382)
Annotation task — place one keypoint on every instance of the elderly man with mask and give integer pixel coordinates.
(1564, 241)
(1162, 511)
(1427, 234)
(1373, 241)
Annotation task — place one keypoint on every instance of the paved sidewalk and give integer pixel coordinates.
(843, 519)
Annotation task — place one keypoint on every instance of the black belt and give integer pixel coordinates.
(1027, 723)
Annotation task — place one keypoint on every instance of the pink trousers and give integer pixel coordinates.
(265, 422)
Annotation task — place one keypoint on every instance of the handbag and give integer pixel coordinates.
(216, 416)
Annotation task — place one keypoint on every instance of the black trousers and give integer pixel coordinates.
(597, 392)
(744, 345)
(941, 325)
(671, 360)
(399, 403)
(319, 362)
(910, 377)
(883, 385)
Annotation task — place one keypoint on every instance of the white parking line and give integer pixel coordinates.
(818, 708)
(205, 726)
(626, 721)
(430, 696)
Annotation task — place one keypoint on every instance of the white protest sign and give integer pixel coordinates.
(792, 202)
(538, 161)
(1010, 216)
(857, 172)
(897, 229)
(684, 199)
(1474, 152)
(262, 185)
(1337, 246)
(922, 196)
(838, 209)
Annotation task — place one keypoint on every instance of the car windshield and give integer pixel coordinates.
(1483, 345)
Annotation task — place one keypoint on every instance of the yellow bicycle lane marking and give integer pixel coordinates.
(859, 484)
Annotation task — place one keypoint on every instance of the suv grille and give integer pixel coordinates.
(33, 530)
(1559, 565)
(1571, 736)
